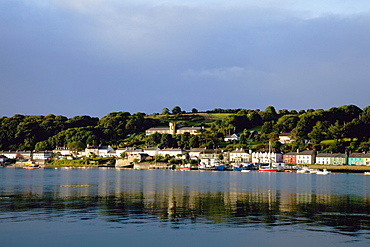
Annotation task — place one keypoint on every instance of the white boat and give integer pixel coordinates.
(323, 172)
(366, 173)
(314, 171)
(303, 170)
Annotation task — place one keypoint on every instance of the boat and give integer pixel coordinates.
(323, 172)
(303, 170)
(242, 167)
(314, 171)
(245, 170)
(270, 167)
(131, 165)
(185, 167)
(267, 169)
(31, 164)
(215, 167)
(366, 173)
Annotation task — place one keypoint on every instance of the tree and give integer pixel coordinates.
(194, 141)
(335, 131)
(76, 146)
(176, 110)
(194, 110)
(318, 133)
(220, 156)
(41, 146)
(166, 141)
(286, 123)
(269, 114)
(165, 111)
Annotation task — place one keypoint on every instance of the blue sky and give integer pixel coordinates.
(93, 57)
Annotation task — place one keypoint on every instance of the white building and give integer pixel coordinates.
(151, 151)
(306, 157)
(100, 151)
(62, 151)
(128, 151)
(41, 155)
(194, 152)
(285, 138)
(240, 155)
(266, 157)
(233, 137)
(176, 152)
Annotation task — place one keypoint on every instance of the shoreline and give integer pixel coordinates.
(341, 168)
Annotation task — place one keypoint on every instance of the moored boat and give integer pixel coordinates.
(215, 167)
(366, 173)
(268, 169)
(303, 170)
(323, 172)
(31, 164)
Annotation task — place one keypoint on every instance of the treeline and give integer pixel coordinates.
(47, 132)
(347, 127)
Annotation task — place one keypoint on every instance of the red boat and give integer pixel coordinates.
(268, 169)
(185, 168)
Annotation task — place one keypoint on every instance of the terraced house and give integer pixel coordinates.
(331, 159)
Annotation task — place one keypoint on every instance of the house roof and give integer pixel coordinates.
(210, 151)
(172, 149)
(151, 148)
(357, 155)
(336, 155)
(306, 152)
(238, 151)
(159, 128)
(196, 149)
(285, 134)
(291, 153)
(190, 128)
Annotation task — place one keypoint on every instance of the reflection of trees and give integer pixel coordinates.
(343, 213)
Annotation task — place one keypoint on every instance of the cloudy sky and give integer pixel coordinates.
(93, 57)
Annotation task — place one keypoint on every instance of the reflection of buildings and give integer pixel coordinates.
(215, 196)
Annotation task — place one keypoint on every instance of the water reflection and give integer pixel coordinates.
(181, 199)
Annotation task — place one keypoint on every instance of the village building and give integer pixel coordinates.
(174, 129)
(62, 151)
(210, 156)
(367, 159)
(306, 157)
(172, 152)
(151, 151)
(262, 157)
(100, 151)
(194, 152)
(233, 137)
(331, 159)
(285, 138)
(128, 151)
(41, 155)
(133, 157)
(240, 156)
(357, 159)
(290, 158)
(19, 155)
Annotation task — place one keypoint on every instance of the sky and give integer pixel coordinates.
(93, 57)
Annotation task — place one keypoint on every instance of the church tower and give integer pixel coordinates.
(172, 128)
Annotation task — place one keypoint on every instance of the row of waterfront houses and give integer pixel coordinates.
(204, 155)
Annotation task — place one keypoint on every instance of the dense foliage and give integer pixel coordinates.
(338, 129)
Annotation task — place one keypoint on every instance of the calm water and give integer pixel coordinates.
(96, 207)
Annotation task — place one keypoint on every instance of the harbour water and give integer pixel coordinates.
(110, 207)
